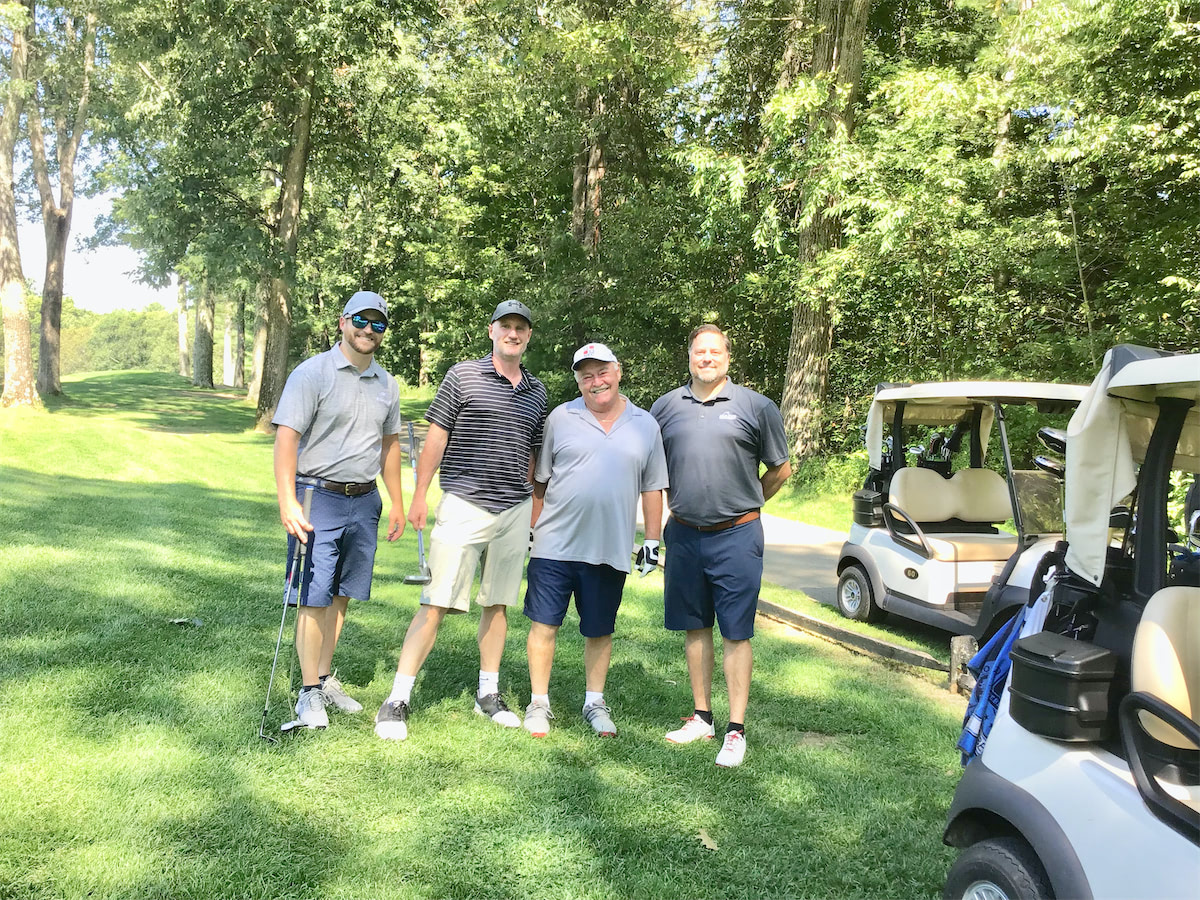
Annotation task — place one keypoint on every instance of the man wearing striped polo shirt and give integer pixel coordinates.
(485, 430)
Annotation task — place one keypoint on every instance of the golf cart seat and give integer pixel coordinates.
(1166, 659)
(951, 519)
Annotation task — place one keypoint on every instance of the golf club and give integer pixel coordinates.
(422, 576)
(297, 555)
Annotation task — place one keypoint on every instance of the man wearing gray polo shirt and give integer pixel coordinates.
(716, 434)
(337, 429)
(600, 453)
(485, 427)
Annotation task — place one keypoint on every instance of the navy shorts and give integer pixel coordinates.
(341, 546)
(597, 590)
(713, 574)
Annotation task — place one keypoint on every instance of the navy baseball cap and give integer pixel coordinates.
(513, 308)
(365, 300)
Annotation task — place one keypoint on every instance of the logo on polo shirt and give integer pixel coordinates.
(383, 396)
(728, 416)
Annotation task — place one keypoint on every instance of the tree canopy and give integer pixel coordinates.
(858, 192)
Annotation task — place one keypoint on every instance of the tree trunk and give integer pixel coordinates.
(19, 385)
(56, 216)
(185, 356)
(227, 351)
(202, 348)
(259, 355)
(279, 313)
(57, 226)
(239, 344)
(596, 169)
(837, 53)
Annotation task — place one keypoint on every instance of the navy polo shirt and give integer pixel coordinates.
(495, 429)
(714, 449)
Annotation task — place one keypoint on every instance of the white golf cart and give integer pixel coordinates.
(1088, 785)
(925, 543)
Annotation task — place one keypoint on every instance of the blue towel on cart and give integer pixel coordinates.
(990, 667)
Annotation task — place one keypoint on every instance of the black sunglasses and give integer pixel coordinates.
(362, 322)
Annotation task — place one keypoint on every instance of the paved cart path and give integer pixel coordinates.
(802, 557)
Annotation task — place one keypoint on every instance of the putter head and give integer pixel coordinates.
(419, 578)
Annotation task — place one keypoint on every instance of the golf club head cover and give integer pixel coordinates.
(647, 557)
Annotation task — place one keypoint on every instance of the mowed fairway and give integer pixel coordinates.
(130, 764)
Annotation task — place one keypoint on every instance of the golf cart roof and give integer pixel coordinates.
(939, 403)
(1107, 439)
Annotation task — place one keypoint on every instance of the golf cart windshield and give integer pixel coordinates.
(946, 403)
(1107, 439)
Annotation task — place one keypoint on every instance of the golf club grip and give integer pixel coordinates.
(307, 504)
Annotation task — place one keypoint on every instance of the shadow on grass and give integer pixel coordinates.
(156, 400)
(128, 711)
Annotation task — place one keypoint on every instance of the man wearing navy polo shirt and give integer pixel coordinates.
(716, 434)
(485, 428)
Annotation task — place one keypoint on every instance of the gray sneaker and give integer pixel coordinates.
(599, 717)
(310, 708)
(336, 694)
(537, 719)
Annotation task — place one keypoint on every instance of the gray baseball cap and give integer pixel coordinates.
(365, 300)
(598, 352)
(513, 308)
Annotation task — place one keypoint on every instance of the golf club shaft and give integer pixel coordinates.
(297, 556)
(412, 455)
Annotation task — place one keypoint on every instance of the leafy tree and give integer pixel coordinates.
(65, 64)
(19, 385)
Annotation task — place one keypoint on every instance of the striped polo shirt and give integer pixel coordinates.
(494, 430)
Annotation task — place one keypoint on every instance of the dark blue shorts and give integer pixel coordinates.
(341, 546)
(597, 590)
(713, 574)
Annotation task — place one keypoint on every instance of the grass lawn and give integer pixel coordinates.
(130, 764)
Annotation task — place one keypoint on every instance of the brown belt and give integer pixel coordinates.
(347, 488)
(720, 526)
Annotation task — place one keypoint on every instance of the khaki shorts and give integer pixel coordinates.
(462, 533)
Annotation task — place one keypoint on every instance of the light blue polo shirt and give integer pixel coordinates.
(595, 481)
(342, 415)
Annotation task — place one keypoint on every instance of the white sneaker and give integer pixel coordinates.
(494, 707)
(336, 694)
(310, 708)
(391, 722)
(733, 751)
(694, 729)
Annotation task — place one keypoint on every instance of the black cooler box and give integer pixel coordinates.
(868, 508)
(1060, 687)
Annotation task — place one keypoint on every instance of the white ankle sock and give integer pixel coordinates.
(539, 700)
(402, 688)
(489, 683)
(591, 698)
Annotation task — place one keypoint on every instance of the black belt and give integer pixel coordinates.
(346, 488)
(720, 526)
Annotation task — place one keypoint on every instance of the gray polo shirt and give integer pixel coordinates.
(714, 448)
(341, 414)
(595, 482)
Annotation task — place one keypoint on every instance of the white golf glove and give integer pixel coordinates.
(647, 558)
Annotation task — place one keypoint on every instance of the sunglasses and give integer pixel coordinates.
(362, 322)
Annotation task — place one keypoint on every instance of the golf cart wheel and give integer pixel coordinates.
(1004, 868)
(855, 597)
